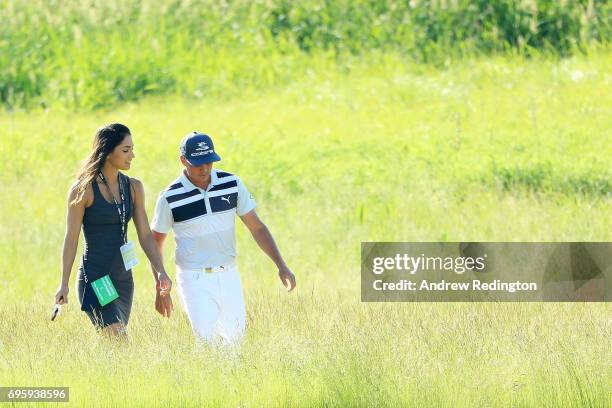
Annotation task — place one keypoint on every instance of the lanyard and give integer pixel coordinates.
(120, 209)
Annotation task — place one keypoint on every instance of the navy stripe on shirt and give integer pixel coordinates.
(189, 211)
(223, 186)
(181, 196)
(223, 202)
(221, 174)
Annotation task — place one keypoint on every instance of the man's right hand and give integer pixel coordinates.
(164, 284)
(61, 296)
(163, 304)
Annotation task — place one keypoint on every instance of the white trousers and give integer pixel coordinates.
(214, 304)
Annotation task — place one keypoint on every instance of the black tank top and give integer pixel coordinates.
(102, 230)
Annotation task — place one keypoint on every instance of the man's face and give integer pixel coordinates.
(198, 173)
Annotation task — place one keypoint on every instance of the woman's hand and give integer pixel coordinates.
(164, 284)
(61, 296)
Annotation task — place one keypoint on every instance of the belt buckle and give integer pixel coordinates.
(213, 269)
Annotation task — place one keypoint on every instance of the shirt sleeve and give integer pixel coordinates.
(246, 202)
(162, 218)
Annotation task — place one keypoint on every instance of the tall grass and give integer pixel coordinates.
(87, 54)
(386, 152)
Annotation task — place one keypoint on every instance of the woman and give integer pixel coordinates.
(103, 200)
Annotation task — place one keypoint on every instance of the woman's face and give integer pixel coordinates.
(121, 157)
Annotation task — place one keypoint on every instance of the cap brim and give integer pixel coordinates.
(200, 161)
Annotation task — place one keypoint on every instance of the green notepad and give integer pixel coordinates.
(105, 290)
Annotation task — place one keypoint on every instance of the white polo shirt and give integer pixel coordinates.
(203, 220)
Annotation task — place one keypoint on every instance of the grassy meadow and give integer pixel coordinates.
(349, 122)
(492, 149)
(90, 55)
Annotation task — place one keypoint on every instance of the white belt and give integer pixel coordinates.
(215, 269)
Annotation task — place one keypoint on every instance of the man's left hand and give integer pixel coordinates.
(287, 277)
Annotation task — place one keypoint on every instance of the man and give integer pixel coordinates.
(200, 207)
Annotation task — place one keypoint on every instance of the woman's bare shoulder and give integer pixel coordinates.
(137, 189)
(88, 196)
(136, 182)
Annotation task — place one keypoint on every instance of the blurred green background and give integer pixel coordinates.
(88, 54)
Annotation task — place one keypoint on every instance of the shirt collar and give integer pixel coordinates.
(214, 180)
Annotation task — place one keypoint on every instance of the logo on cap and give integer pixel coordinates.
(198, 149)
(202, 146)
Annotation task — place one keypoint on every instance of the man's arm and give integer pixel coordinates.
(266, 242)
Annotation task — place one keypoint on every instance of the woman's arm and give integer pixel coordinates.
(163, 304)
(74, 220)
(146, 240)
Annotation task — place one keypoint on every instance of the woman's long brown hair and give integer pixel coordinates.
(105, 140)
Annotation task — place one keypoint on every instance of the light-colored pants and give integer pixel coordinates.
(214, 303)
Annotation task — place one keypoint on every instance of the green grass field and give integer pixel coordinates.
(489, 149)
(86, 55)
